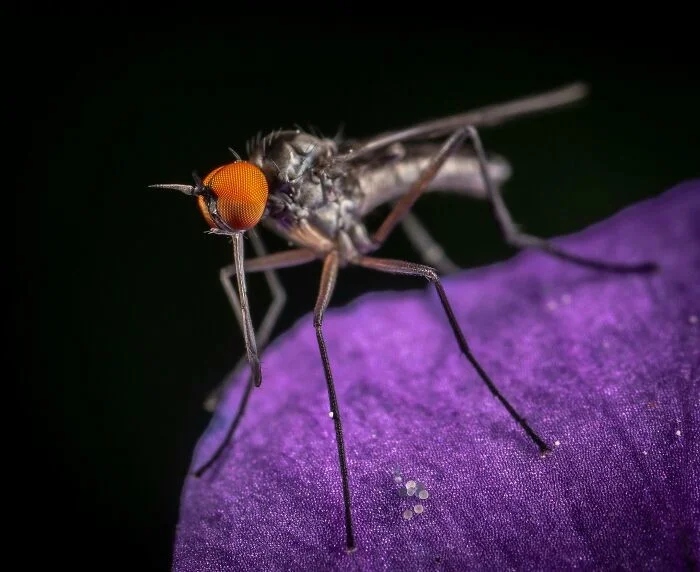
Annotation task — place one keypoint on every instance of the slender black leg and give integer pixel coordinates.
(521, 240)
(328, 278)
(509, 229)
(429, 249)
(412, 269)
(264, 263)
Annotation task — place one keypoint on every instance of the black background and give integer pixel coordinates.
(124, 322)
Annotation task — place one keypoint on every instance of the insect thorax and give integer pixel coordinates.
(314, 200)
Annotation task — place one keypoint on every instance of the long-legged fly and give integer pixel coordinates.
(315, 192)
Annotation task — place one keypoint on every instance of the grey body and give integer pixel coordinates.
(318, 198)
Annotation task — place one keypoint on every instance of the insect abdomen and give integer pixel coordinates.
(459, 174)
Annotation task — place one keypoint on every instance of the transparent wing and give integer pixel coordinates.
(485, 116)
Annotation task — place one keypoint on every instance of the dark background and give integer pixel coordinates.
(124, 320)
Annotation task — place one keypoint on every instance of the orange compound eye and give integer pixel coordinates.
(240, 189)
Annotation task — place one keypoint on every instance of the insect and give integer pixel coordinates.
(316, 192)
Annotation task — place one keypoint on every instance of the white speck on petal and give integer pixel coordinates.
(408, 514)
(418, 508)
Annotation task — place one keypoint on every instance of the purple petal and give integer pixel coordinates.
(605, 365)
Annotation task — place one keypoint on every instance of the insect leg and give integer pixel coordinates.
(328, 278)
(405, 203)
(262, 333)
(428, 248)
(247, 324)
(510, 231)
(412, 269)
(242, 406)
(521, 240)
(266, 263)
